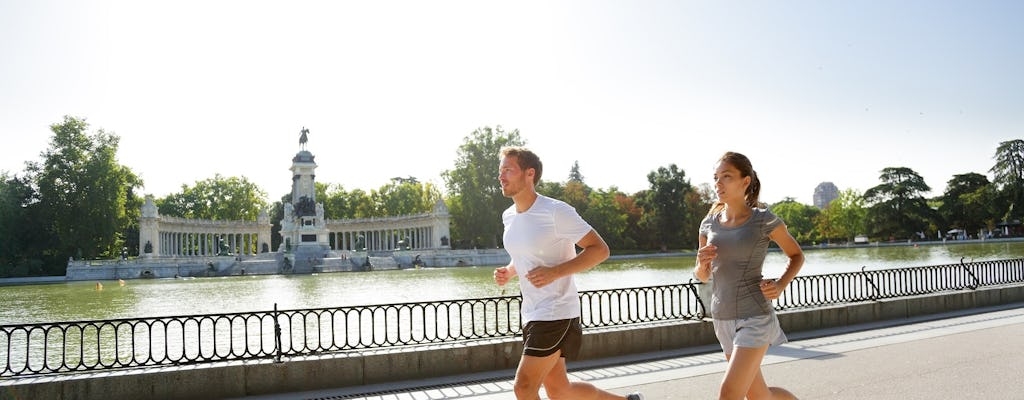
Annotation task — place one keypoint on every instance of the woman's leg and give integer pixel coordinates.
(744, 367)
(737, 374)
(760, 390)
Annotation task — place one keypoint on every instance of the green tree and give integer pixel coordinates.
(84, 191)
(473, 185)
(698, 203)
(844, 218)
(605, 216)
(961, 207)
(577, 194)
(574, 173)
(405, 197)
(219, 198)
(634, 234)
(1009, 177)
(16, 196)
(362, 204)
(665, 207)
(554, 190)
(799, 218)
(130, 226)
(335, 200)
(898, 207)
(980, 205)
(276, 216)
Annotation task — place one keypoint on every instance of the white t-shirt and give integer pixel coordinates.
(545, 235)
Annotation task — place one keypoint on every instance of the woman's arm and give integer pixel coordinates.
(705, 253)
(780, 235)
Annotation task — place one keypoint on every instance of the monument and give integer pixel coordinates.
(174, 247)
(303, 228)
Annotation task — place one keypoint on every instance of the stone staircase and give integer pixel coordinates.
(383, 263)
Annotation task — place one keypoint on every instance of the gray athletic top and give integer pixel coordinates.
(736, 271)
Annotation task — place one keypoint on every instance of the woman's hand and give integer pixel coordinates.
(771, 289)
(706, 254)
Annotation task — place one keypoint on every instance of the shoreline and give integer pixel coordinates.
(38, 280)
(825, 246)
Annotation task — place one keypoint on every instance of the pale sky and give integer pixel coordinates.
(811, 91)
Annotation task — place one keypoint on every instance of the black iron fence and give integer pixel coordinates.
(61, 347)
(823, 290)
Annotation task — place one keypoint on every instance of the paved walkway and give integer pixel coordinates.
(978, 354)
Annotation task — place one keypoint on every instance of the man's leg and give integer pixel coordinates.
(557, 386)
(531, 374)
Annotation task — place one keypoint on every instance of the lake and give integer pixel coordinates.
(73, 301)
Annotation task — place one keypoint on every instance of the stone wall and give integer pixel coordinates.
(173, 267)
(269, 264)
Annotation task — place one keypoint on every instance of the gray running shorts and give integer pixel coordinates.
(755, 331)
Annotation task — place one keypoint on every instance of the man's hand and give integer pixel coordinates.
(502, 275)
(542, 276)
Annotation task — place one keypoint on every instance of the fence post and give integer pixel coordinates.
(697, 289)
(277, 335)
(977, 283)
(874, 295)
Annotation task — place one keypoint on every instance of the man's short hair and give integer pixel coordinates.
(526, 159)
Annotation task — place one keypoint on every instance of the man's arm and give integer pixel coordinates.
(595, 250)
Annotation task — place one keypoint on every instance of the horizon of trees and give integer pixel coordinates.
(79, 202)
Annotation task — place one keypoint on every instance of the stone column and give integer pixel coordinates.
(263, 231)
(149, 228)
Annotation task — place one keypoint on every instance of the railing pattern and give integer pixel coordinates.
(822, 290)
(62, 347)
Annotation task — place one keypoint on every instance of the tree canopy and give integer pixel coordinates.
(898, 207)
(84, 191)
(844, 218)
(799, 218)
(665, 207)
(219, 198)
(1009, 176)
(967, 202)
(79, 201)
(574, 173)
(476, 201)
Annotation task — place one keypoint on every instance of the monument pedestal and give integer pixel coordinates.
(308, 257)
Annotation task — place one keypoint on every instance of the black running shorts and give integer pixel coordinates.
(544, 338)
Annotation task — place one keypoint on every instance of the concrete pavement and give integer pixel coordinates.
(973, 354)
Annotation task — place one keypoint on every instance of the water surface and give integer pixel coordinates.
(74, 301)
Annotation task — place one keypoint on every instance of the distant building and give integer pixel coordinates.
(824, 194)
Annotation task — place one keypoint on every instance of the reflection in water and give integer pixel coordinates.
(163, 297)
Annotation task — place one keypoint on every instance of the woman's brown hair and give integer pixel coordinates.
(742, 164)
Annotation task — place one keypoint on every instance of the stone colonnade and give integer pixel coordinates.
(192, 240)
(179, 237)
(421, 231)
(383, 239)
